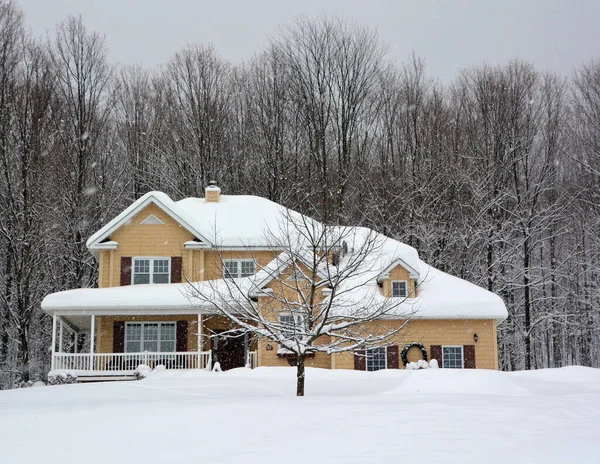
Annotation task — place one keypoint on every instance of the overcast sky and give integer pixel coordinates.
(450, 35)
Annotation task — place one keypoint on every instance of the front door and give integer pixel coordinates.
(229, 351)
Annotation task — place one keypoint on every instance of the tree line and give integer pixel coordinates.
(493, 178)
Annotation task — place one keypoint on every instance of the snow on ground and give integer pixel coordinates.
(429, 416)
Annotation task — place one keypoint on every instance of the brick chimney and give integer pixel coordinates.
(212, 193)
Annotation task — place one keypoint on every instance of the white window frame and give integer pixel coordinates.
(298, 320)
(384, 358)
(151, 258)
(462, 355)
(239, 262)
(405, 288)
(143, 323)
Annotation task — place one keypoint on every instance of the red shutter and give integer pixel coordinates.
(182, 336)
(469, 354)
(176, 269)
(435, 352)
(118, 337)
(360, 361)
(125, 270)
(392, 357)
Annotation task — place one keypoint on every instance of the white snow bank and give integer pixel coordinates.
(569, 374)
(452, 381)
(252, 416)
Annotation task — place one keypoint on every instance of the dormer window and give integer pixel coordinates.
(399, 288)
(234, 268)
(151, 271)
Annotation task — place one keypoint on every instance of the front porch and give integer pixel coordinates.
(108, 346)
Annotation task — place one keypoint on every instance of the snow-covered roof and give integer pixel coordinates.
(234, 221)
(239, 221)
(441, 296)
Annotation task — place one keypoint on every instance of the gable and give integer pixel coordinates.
(161, 201)
(398, 266)
(163, 239)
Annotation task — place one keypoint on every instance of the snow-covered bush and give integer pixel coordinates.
(422, 364)
(142, 371)
(61, 378)
(29, 383)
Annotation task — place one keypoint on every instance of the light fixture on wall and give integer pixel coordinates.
(475, 337)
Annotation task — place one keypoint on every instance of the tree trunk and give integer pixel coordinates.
(300, 376)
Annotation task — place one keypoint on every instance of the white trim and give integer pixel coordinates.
(60, 335)
(92, 338)
(158, 340)
(385, 274)
(462, 355)
(193, 245)
(132, 210)
(405, 288)
(200, 340)
(239, 261)
(54, 316)
(367, 357)
(152, 220)
(151, 267)
(110, 245)
(259, 287)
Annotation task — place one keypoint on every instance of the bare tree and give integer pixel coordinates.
(84, 81)
(319, 295)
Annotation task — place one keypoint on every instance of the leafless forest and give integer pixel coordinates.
(494, 178)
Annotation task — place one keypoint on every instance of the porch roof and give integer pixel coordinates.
(146, 299)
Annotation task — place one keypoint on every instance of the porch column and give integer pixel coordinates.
(92, 341)
(53, 341)
(60, 335)
(200, 339)
(246, 349)
(76, 347)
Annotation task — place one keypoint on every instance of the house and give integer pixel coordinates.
(151, 254)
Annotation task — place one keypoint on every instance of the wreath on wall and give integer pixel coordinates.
(412, 345)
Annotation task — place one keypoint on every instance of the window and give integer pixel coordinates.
(151, 270)
(376, 358)
(150, 336)
(399, 289)
(291, 325)
(234, 268)
(452, 357)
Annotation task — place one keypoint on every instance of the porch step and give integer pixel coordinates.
(105, 378)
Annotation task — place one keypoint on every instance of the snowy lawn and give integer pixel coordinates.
(244, 416)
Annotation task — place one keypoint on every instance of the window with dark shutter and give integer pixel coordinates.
(125, 270)
(393, 361)
(176, 265)
(360, 360)
(182, 336)
(435, 352)
(469, 355)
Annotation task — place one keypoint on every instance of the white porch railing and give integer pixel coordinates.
(130, 361)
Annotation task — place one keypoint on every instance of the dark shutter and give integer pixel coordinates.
(176, 269)
(360, 361)
(125, 270)
(182, 336)
(435, 352)
(119, 337)
(469, 354)
(392, 357)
